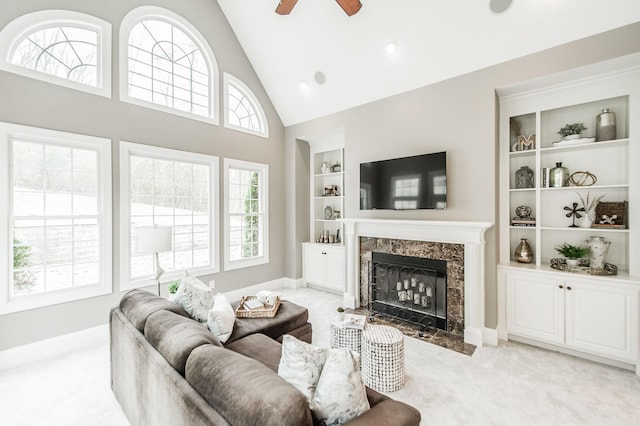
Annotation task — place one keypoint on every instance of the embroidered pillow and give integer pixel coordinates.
(301, 364)
(195, 297)
(340, 394)
(221, 318)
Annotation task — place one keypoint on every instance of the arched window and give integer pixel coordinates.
(242, 110)
(67, 48)
(166, 64)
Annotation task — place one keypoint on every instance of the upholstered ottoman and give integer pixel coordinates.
(290, 319)
(382, 358)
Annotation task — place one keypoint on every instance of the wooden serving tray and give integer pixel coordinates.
(269, 311)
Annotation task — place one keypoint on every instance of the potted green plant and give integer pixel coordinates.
(572, 131)
(173, 288)
(572, 253)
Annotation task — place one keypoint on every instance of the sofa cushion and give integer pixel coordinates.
(290, 316)
(221, 318)
(175, 336)
(195, 297)
(301, 364)
(340, 394)
(138, 304)
(258, 347)
(244, 391)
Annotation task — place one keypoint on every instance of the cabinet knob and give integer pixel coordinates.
(569, 288)
(324, 252)
(560, 286)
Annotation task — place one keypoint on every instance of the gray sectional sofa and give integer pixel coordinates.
(166, 368)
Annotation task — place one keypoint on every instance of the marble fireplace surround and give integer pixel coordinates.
(469, 234)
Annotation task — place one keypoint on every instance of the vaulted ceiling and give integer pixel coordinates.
(343, 60)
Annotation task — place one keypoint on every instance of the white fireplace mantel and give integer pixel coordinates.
(471, 234)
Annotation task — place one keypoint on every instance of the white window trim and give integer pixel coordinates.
(13, 32)
(264, 168)
(244, 89)
(153, 12)
(102, 146)
(126, 150)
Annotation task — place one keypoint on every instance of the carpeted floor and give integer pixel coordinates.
(512, 384)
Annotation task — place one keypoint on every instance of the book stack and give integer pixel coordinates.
(354, 321)
(523, 221)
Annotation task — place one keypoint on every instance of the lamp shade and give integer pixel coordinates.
(154, 239)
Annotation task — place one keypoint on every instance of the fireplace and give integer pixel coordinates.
(465, 281)
(412, 289)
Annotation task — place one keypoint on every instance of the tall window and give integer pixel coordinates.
(246, 219)
(168, 65)
(242, 109)
(173, 188)
(58, 215)
(62, 47)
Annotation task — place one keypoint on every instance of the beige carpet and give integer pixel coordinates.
(512, 384)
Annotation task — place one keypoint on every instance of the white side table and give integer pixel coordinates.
(382, 358)
(345, 337)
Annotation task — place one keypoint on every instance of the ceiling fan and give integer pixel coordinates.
(350, 7)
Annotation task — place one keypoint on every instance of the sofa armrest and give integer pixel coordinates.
(388, 412)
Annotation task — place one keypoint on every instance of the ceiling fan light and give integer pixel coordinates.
(304, 86)
(350, 7)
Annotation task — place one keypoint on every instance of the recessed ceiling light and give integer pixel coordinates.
(499, 6)
(392, 48)
(304, 86)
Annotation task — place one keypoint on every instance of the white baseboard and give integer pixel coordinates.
(273, 285)
(294, 283)
(490, 336)
(49, 348)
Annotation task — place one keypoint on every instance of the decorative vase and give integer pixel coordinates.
(324, 168)
(572, 262)
(328, 213)
(558, 176)
(524, 177)
(599, 247)
(586, 221)
(523, 253)
(523, 211)
(606, 126)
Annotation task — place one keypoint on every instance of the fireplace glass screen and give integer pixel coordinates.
(412, 289)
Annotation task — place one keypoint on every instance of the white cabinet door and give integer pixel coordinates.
(602, 318)
(535, 307)
(313, 264)
(324, 266)
(335, 268)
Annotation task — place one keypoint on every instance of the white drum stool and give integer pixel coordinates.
(382, 358)
(345, 337)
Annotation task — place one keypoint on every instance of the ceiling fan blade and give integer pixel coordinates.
(285, 6)
(351, 7)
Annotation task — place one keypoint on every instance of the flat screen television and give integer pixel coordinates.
(407, 183)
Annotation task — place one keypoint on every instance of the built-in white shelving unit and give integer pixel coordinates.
(595, 316)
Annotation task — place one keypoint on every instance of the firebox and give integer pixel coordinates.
(412, 289)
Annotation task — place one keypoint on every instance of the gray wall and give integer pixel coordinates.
(458, 115)
(34, 103)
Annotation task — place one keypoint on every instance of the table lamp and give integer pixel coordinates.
(154, 239)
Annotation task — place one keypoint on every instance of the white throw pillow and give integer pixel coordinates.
(340, 394)
(195, 297)
(301, 364)
(221, 318)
